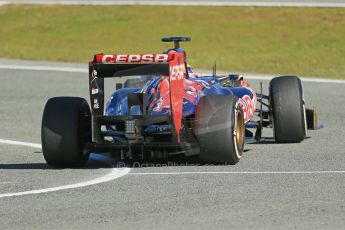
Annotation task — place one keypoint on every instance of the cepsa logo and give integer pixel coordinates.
(177, 72)
(135, 58)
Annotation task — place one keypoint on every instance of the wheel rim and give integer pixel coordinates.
(304, 120)
(239, 132)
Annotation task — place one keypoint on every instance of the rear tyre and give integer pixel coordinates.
(66, 127)
(288, 112)
(219, 128)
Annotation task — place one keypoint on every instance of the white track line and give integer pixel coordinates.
(114, 174)
(221, 172)
(20, 143)
(304, 79)
(85, 70)
(186, 3)
(119, 172)
(45, 68)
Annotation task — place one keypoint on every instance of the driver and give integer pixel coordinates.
(191, 72)
(238, 80)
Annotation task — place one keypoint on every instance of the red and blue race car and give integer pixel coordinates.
(174, 112)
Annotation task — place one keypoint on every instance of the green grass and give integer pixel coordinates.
(302, 41)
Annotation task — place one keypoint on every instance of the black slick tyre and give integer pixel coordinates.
(219, 129)
(287, 108)
(66, 127)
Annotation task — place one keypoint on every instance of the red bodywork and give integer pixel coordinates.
(177, 71)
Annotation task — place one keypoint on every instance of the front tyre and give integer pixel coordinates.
(66, 127)
(287, 107)
(219, 128)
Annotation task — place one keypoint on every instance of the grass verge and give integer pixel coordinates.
(302, 41)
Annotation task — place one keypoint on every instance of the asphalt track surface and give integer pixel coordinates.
(279, 3)
(275, 186)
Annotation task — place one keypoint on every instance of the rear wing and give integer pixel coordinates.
(122, 65)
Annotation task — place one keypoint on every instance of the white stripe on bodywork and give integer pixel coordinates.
(224, 172)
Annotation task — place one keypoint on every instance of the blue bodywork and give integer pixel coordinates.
(195, 88)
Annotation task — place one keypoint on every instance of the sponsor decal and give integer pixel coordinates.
(94, 75)
(94, 91)
(177, 72)
(95, 103)
(133, 58)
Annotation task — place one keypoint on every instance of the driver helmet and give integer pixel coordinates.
(191, 72)
(178, 50)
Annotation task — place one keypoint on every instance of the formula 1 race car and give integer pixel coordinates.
(174, 112)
